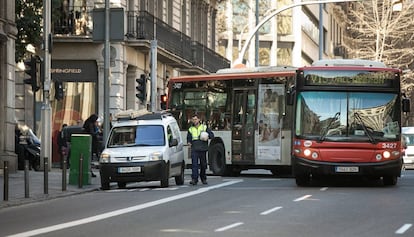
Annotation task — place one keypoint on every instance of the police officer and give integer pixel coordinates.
(199, 148)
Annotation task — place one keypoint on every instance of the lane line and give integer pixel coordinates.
(228, 227)
(121, 211)
(302, 198)
(324, 189)
(270, 211)
(403, 229)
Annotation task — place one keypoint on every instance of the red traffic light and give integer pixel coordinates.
(164, 98)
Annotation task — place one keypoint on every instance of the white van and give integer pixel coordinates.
(142, 146)
(408, 141)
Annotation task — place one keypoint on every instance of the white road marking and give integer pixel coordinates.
(270, 211)
(403, 229)
(228, 227)
(302, 198)
(324, 189)
(121, 211)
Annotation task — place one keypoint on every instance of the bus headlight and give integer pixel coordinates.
(307, 152)
(105, 158)
(386, 154)
(155, 156)
(315, 155)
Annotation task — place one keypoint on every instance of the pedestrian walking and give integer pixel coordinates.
(91, 127)
(197, 137)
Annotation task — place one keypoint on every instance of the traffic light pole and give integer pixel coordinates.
(153, 75)
(46, 115)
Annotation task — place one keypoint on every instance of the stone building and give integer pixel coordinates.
(185, 36)
(8, 34)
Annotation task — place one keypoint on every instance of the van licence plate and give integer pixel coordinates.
(346, 169)
(135, 169)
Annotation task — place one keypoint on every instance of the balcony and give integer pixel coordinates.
(174, 47)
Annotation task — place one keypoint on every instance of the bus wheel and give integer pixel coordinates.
(389, 180)
(217, 159)
(302, 179)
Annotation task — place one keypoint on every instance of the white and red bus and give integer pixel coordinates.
(247, 111)
(347, 121)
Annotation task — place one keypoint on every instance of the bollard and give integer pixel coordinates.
(64, 174)
(26, 178)
(80, 171)
(6, 181)
(45, 174)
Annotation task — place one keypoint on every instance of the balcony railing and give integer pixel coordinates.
(142, 25)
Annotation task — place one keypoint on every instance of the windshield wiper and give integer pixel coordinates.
(370, 137)
(325, 132)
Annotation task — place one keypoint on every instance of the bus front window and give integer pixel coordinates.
(339, 116)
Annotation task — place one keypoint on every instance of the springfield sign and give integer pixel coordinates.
(74, 70)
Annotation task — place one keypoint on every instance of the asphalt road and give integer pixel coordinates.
(249, 205)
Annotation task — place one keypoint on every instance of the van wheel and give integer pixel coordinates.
(217, 159)
(165, 176)
(179, 179)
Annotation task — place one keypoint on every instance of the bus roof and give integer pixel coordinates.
(240, 73)
(348, 62)
(407, 130)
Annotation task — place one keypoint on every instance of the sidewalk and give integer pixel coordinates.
(36, 184)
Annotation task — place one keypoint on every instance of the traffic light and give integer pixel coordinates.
(163, 99)
(31, 70)
(141, 88)
(59, 93)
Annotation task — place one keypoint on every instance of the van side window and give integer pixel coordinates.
(169, 134)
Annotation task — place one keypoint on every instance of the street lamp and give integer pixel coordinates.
(239, 60)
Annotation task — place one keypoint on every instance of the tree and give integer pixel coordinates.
(378, 30)
(28, 23)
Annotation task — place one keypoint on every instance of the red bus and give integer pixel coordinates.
(347, 121)
(247, 111)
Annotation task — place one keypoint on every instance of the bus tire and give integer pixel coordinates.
(217, 159)
(390, 180)
(302, 180)
(122, 185)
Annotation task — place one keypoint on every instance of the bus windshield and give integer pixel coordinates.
(347, 116)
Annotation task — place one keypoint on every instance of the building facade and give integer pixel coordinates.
(185, 38)
(8, 34)
(291, 38)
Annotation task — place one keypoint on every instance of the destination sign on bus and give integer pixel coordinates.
(349, 78)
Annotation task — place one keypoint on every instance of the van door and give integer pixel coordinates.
(176, 153)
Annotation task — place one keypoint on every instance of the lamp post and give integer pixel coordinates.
(239, 60)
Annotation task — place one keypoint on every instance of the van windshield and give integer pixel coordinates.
(141, 135)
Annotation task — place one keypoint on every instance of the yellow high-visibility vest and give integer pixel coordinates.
(196, 131)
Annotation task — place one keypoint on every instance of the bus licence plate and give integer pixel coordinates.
(135, 169)
(347, 169)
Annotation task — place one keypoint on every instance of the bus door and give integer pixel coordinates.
(244, 114)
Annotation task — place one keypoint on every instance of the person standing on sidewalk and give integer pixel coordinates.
(198, 140)
(91, 127)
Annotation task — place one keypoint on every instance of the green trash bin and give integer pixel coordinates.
(80, 147)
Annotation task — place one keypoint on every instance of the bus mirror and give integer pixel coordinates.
(405, 105)
(290, 95)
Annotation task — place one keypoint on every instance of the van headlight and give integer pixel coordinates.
(105, 158)
(155, 156)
